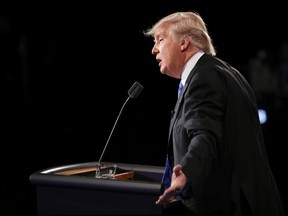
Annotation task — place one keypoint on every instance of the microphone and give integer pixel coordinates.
(133, 92)
(172, 113)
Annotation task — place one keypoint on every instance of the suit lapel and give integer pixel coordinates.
(180, 99)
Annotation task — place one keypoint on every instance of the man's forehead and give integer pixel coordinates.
(161, 31)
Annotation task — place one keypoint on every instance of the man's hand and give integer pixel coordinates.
(178, 183)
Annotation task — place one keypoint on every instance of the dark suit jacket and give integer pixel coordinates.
(217, 138)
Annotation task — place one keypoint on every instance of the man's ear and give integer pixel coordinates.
(184, 43)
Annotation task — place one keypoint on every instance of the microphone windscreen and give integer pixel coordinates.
(135, 90)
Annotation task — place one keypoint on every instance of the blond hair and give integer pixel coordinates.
(186, 24)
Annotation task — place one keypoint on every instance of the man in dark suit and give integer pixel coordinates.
(216, 151)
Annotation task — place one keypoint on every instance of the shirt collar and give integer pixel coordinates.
(190, 65)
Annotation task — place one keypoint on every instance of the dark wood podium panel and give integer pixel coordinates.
(74, 190)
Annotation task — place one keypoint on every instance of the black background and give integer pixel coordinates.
(66, 69)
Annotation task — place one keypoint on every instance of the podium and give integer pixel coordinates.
(74, 190)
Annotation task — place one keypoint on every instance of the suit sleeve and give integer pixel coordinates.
(202, 125)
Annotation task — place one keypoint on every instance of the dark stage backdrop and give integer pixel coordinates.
(66, 70)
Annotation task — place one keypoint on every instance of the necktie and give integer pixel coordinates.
(180, 88)
(166, 179)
